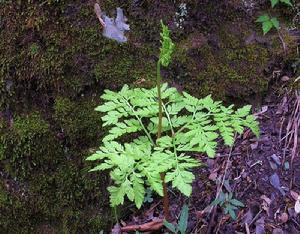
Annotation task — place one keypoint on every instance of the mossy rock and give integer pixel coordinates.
(224, 65)
(79, 123)
(56, 180)
(28, 145)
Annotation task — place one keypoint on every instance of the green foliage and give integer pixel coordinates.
(182, 223)
(228, 203)
(268, 23)
(167, 46)
(275, 2)
(148, 195)
(24, 146)
(189, 125)
(153, 131)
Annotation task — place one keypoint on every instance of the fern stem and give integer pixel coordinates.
(169, 119)
(172, 130)
(165, 197)
(187, 124)
(115, 214)
(158, 84)
(159, 130)
(140, 121)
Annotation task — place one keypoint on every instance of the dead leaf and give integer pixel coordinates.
(277, 231)
(247, 228)
(254, 145)
(266, 199)
(123, 223)
(283, 218)
(266, 204)
(213, 176)
(275, 182)
(295, 195)
(116, 229)
(98, 12)
(248, 217)
(273, 165)
(285, 78)
(276, 159)
(30, 23)
(264, 109)
(260, 226)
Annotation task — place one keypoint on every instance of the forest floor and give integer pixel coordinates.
(263, 173)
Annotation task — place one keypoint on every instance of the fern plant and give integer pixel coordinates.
(182, 225)
(154, 131)
(228, 203)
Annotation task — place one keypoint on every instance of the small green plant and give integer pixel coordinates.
(148, 197)
(268, 22)
(152, 133)
(182, 223)
(275, 2)
(228, 203)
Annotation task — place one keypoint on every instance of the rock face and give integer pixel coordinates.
(55, 63)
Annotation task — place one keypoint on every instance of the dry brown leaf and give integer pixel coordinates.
(266, 204)
(254, 145)
(277, 231)
(285, 78)
(213, 176)
(295, 195)
(283, 218)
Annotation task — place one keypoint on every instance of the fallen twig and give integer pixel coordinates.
(151, 226)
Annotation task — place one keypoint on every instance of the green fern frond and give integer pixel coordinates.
(167, 46)
(189, 125)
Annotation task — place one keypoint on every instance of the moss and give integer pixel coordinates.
(59, 188)
(224, 67)
(15, 217)
(3, 196)
(127, 69)
(63, 195)
(80, 125)
(68, 54)
(26, 145)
